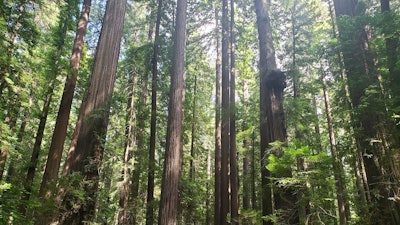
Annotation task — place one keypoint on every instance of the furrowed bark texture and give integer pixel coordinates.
(173, 151)
(88, 154)
(272, 121)
(60, 130)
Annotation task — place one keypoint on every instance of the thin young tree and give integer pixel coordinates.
(87, 157)
(217, 157)
(173, 150)
(153, 119)
(234, 178)
(225, 111)
(338, 171)
(125, 198)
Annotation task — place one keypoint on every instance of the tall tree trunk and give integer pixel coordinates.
(88, 154)
(141, 147)
(337, 163)
(392, 51)
(173, 151)
(217, 158)
(360, 70)
(62, 29)
(153, 120)
(234, 178)
(125, 215)
(192, 169)
(266, 63)
(272, 120)
(36, 149)
(304, 204)
(225, 114)
(50, 175)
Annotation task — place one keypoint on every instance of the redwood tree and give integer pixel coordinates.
(88, 154)
(153, 120)
(173, 149)
(60, 130)
(217, 157)
(371, 136)
(272, 120)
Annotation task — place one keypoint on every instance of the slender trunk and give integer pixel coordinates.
(36, 150)
(208, 189)
(173, 151)
(50, 175)
(337, 163)
(217, 162)
(253, 172)
(125, 216)
(192, 151)
(246, 173)
(90, 145)
(63, 28)
(234, 177)
(192, 169)
(141, 148)
(304, 204)
(225, 138)
(153, 120)
(247, 156)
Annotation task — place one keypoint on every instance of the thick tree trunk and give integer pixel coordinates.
(50, 175)
(266, 63)
(272, 120)
(360, 69)
(217, 158)
(90, 145)
(392, 51)
(153, 120)
(173, 151)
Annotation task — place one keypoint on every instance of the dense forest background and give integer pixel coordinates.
(200, 112)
